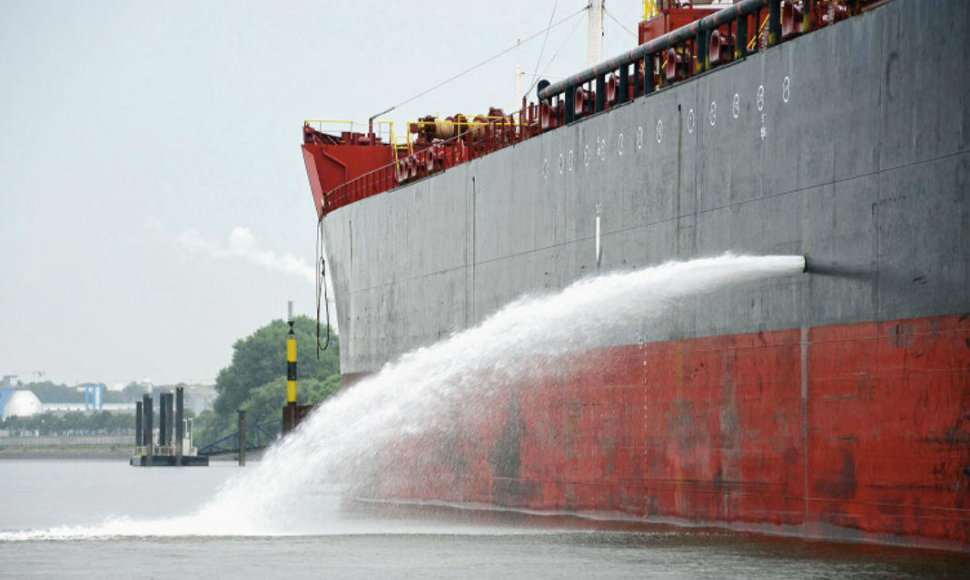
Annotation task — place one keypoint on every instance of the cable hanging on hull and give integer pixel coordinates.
(322, 289)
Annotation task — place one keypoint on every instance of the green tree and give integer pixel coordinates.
(49, 392)
(264, 402)
(132, 392)
(256, 378)
(72, 423)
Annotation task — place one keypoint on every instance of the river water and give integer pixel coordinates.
(53, 513)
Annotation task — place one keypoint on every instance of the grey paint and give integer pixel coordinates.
(864, 170)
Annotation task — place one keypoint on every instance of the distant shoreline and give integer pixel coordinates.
(66, 447)
(65, 452)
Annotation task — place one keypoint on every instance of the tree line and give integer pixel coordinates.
(51, 392)
(71, 423)
(255, 381)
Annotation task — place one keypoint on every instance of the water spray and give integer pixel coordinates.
(358, 441)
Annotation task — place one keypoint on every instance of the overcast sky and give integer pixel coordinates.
(154, 206)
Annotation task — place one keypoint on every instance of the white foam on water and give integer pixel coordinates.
(342, 441)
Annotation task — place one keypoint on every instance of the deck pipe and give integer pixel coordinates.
(698, 29)
(179, 423)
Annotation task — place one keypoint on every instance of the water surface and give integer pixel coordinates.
(337, 538)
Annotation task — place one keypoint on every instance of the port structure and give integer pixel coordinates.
(171, 444)
(93, 396)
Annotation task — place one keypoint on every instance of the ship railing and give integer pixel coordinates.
(332, 126)
(415, 160)
(384, 130)
(368, 184)
(722, 37)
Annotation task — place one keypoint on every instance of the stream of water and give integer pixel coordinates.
(305, 487)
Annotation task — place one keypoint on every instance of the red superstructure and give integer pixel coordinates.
(670, 16)
(352, 166)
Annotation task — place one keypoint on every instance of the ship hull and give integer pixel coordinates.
(833, 405)
(850, 432)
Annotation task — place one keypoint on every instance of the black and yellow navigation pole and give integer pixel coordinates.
(290, 359)
(293, 412)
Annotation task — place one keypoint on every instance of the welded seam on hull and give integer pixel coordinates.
(804, 378)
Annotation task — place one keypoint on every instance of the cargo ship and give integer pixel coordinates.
(833, 405)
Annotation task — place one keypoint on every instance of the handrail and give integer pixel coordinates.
(334, 121)
(321, 122)
(385, 177)
(474, 123)
(257, 437)
(379, 122)
(658, 45)
(761, 30)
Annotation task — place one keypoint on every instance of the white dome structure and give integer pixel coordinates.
(19, 403)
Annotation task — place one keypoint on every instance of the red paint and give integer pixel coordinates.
(715, 430)
(352, 166)
(670, 18)
(332, 161)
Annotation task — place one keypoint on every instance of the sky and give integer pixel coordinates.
(154, 205)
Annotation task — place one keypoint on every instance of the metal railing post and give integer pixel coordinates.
(637, 79)
(701, 48)
(624, 84)
(774, 22)
(600, 93)
(648, 74)
(570, 105)
(742, 40)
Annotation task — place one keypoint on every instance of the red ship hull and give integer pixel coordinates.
(831, 432)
